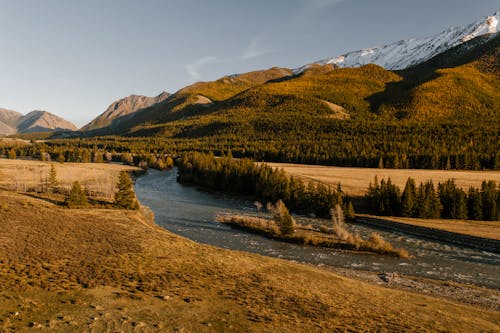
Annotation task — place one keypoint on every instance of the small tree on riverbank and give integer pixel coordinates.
(125, 197)
(284, 219)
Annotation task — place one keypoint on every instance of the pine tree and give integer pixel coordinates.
(429, 204)
(125, 197)
(381, 163)
(474, 204)
(489, 200)
(77, 197)
(12, 154)
(52, 181)
(409, 199)
(349, 213)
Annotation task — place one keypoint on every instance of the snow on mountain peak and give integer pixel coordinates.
(492, 24)
(410, 52)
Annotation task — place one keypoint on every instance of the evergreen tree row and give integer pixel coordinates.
(425, 201)
(264, 183)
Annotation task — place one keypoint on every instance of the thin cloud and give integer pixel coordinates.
(252, 51)
(193, 69)
(313, 7)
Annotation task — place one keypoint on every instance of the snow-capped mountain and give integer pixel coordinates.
(410, 52)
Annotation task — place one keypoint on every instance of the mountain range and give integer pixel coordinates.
(12, 122)
(410, 52)
(452, 75)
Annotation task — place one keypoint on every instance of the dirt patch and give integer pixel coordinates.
(338, 112)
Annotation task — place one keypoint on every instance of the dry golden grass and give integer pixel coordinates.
(98, 178)
(113, 270)
(355, 181)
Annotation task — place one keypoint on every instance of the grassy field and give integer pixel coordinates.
(483, 229)
(355, 181)
(98, 178)
(109, 270)
(113, 270)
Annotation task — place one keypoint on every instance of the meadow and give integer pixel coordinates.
(115, 270)
(355, 181)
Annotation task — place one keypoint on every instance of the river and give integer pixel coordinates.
(190, 212)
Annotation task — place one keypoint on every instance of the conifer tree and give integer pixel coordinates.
(125, 197)
(77, 197)
(429, 204)
(489, 200)
(474, 204)
(12, 154)
(409, 199)
(349, 212)
(52, 181)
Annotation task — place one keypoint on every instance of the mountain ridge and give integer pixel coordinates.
(410, 52)
(122, 108)
(13, 122)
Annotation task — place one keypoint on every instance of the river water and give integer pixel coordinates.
(190, 212)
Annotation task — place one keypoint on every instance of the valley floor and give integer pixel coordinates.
(108, 270)
(355, 181)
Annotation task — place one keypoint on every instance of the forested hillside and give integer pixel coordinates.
(443, 113)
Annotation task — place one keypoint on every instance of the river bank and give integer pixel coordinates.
(116, 270)
(106, 270)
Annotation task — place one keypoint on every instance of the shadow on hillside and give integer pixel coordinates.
(397, 95)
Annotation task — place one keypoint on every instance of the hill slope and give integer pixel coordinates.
(462, 83)
(122, 108)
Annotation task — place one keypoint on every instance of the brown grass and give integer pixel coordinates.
(98, 178)
(114, 270)
(93, 270)
(338, 237)
(483, 229)
(355, 181)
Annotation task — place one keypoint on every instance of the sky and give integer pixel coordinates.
(74, 58)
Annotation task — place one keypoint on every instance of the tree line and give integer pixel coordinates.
(306, 139)
(425, 201)
(260, 181)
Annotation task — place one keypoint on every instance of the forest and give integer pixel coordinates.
(460, 145)
(426, 201)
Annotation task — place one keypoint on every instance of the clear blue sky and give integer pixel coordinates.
(73, 58)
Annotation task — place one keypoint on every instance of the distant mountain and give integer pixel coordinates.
(461, 83)
(12, 122)
(123, 107)
(43, 121)
(193, 100)
(411, 52)
(451, 76)
(8, 121)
